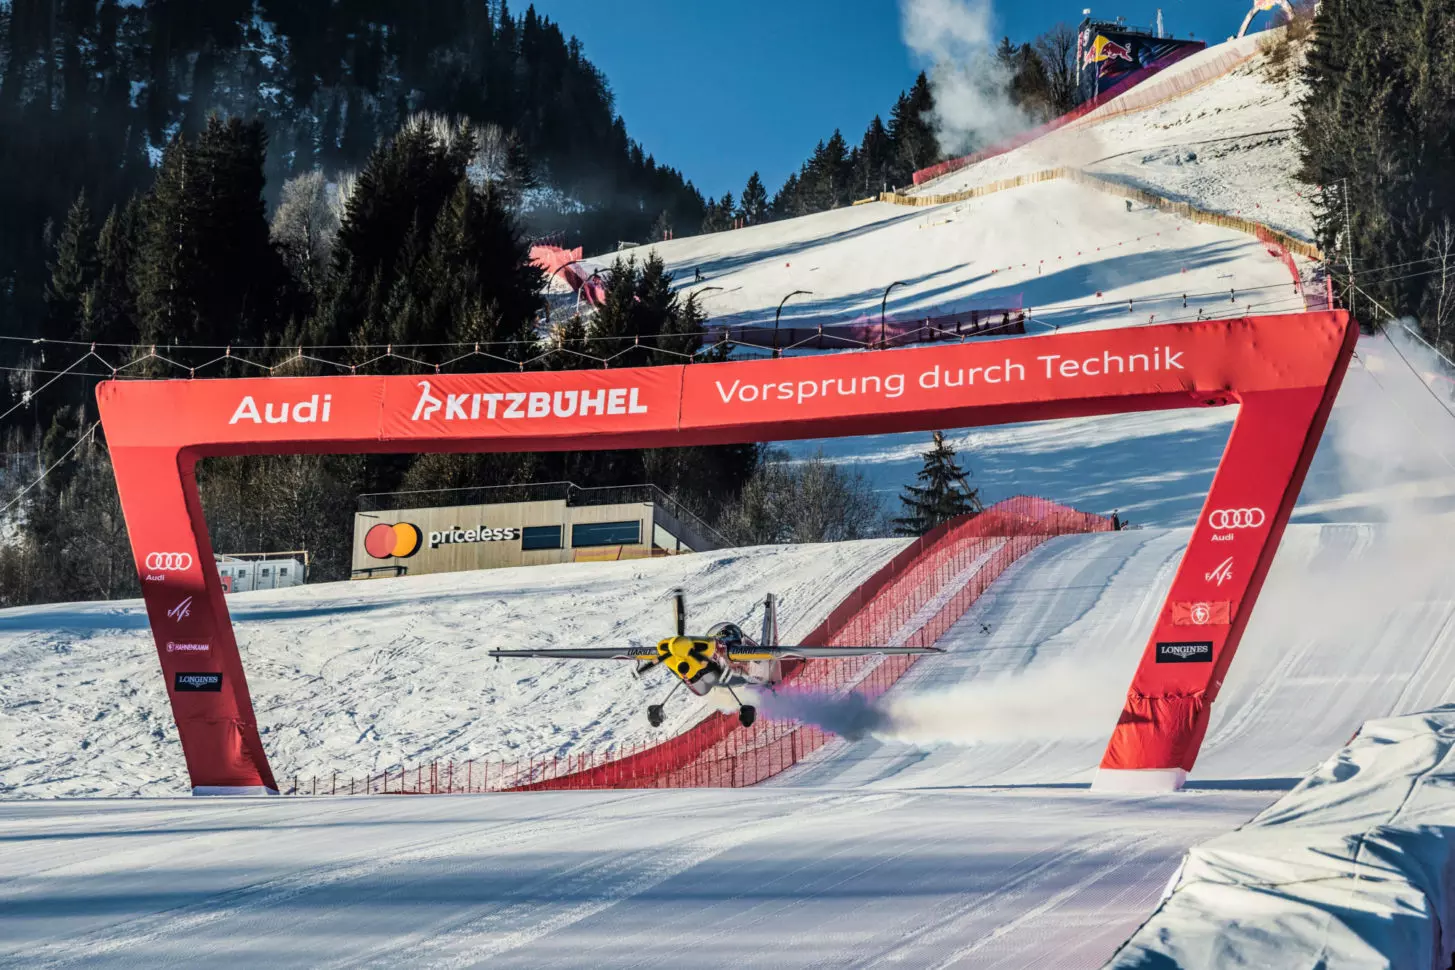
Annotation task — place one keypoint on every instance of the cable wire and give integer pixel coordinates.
(89, 432)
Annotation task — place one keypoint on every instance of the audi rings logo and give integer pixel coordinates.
(169, 562)
(1236, 518)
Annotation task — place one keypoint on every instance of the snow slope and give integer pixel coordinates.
(1348, 627)
(359, 676)
(1226, 146)
(988, 252)
(1237, 126)
(668, 879)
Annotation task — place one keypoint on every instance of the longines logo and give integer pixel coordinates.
(1185, 652)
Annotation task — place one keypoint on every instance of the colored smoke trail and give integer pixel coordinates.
(1059, 701)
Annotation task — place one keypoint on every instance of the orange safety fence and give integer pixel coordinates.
(912, 600)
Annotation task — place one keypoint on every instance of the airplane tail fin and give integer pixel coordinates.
(770, 622)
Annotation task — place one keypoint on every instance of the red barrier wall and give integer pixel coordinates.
(1283, 372)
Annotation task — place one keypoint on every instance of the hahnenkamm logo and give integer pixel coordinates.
(516, 405)
(1185, 652)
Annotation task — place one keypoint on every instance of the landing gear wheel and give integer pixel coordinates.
(655, 715)
(747, 714)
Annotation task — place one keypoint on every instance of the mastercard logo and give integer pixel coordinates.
(392, 541)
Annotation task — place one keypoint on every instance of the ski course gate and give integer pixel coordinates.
(1283, 373)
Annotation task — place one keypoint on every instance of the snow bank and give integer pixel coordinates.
(357, 676)
(1353, 868)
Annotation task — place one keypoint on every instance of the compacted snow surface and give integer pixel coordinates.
(668, 879)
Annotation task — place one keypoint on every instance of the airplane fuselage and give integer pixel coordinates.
(702, 663)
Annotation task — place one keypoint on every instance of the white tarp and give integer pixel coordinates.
(1350, 869)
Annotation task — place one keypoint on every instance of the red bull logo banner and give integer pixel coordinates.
(1112, 60)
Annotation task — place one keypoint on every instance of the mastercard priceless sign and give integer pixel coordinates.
(404, 539)
(399, 541)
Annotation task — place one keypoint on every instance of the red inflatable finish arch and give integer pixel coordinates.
(1283, 372)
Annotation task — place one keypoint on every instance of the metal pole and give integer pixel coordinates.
(884, 303)
(595, 274)
(779, 313)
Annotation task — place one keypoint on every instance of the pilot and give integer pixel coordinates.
(730, 636)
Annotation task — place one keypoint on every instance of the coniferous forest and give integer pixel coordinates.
(311, 173)
(1378, 141)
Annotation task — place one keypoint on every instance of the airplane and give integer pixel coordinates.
(723, 657)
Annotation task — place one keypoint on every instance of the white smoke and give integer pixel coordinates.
(1392, 436)
(1056, 701)
(956, 39)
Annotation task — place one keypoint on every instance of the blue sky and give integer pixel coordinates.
(718, 89)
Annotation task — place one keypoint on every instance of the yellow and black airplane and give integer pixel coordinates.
(723, 657)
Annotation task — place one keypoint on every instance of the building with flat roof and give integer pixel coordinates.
(573, 525)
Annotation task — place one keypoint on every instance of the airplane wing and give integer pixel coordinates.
(582, 653)
(820, 653)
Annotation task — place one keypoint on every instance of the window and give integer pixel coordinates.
(606, 534)
(266, 571)
(540, 537)
(283, 571)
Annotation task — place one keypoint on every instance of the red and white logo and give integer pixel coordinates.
(182, 610)
(298, 412)
(1203, 613)
(1223, 573)
(188, 647)
(517, 405)
(169, 562)
(1224, 519)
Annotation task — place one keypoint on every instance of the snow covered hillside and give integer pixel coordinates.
(363, 675)
(1226, 146)
(1074, 256)
(988, 252)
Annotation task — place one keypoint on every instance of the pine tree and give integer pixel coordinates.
(753, 207)
(911, 133)
(109, 314)
(727, 209)
(943, 492)
(206, 270)
(72, 273)
(871, 166)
